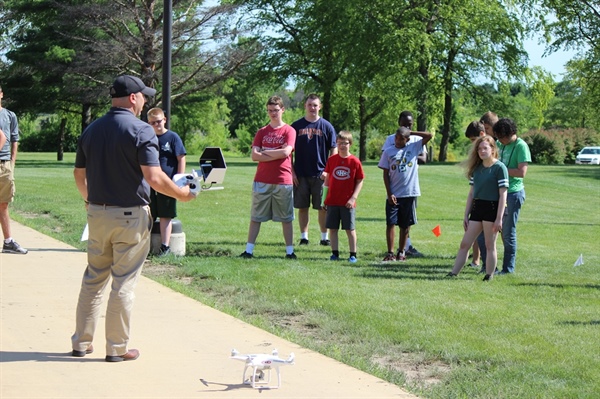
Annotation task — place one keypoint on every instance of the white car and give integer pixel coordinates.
(588, 156)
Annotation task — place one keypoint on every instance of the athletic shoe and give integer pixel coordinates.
(475, 265)
(164, 250)
(325, 242)
(352, 259)
(291, 256)
(412, 251)
(389, 257)
(334, 257)
(451, 275)
(246, 255)
(400, 257)
(303, 241)
(487, 277)
(13, 248)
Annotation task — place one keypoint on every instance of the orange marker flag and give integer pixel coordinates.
(437, 230)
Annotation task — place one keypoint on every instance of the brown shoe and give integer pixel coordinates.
(131, 354)
(77, 353)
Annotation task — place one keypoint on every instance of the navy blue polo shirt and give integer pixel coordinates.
(112, 150)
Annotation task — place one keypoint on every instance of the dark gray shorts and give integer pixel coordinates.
(308, 188)
(337, 214)
(404, 214)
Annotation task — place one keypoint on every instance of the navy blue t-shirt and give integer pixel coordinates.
(170, 147)
(313, 142)
(111, 149)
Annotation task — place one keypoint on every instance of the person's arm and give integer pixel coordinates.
(325, 177)
(519, 171)
(501, 205)
(181, 164)
(468, 209)
(357, 187)
(333, 151)
(13, 153)
(81, 183)
(2, 139)
(260, 155)
(426, 136)
(386, 181)
(159, 181)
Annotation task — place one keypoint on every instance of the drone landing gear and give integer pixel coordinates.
(258, 377)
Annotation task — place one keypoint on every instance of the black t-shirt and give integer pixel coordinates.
(111, 149)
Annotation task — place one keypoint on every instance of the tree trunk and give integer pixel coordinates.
(448, 87)
(362, 115)
(61, 139)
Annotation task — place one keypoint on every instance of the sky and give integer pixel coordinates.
(553, 63)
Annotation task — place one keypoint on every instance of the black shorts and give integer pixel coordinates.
(403, 214)
(162, 206)
(308, 191)
(482, 210)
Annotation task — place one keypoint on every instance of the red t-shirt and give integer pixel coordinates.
(278, 171)
(343, 174)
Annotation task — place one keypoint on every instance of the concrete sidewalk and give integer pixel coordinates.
(184, 345)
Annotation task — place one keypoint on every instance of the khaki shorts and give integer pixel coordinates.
(7, 182)
(272, 202)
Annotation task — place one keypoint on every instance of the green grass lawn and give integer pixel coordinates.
(535, 334)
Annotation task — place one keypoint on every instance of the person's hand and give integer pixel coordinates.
(497, 226)
(466, 223)
(392, 200)
(186, 194)
(350, 203)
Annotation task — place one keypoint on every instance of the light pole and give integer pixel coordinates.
(167, 39)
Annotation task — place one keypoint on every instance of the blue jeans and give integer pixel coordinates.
(514, 202)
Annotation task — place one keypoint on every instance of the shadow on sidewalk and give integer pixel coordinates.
(6, 357)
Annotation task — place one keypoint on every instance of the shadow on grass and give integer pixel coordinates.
(580, 323)
(561, 286)
(586, 171)
(401, 270)
(44, 164)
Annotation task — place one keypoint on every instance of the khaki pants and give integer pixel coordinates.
(119, 241)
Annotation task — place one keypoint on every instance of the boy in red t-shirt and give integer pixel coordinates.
(343, 178)
(272, 190)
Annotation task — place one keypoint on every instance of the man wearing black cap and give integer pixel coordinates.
(115, 166)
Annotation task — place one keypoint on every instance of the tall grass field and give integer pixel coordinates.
(534, 334)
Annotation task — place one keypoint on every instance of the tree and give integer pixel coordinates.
(574, 25)
(70, 51)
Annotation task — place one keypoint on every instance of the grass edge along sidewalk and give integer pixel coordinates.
(519, 336)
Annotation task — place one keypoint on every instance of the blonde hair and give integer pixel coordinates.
(474, 160)
(345, 135)
(156, 113)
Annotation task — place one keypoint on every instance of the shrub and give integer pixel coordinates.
(42, 134)
(244, 139)
(558, 146)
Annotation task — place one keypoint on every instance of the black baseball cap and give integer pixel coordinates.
(125, 85)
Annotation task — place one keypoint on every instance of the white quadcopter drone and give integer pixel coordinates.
(260, 362)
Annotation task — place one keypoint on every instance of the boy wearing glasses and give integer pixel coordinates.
(172, 161)
(272, 190)
(343, 177)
